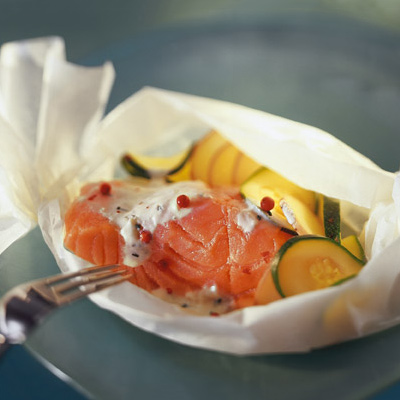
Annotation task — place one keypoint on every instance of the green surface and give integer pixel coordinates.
(114, 360)
(23, 377)
(310, 62)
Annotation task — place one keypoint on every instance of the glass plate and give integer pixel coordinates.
(332, 73)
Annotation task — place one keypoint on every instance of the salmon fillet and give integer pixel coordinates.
(218, 244)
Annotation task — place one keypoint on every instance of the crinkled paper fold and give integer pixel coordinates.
(56, 140)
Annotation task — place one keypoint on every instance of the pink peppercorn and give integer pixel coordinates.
(267, 203)
(183, 201)
(105, 189)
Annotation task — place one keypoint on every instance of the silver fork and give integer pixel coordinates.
(25, 306)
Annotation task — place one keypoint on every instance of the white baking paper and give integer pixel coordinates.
(155, 121)
(47, 108)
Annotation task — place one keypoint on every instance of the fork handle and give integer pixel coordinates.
(4, 344)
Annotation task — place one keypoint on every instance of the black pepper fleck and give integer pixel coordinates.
(290, 231)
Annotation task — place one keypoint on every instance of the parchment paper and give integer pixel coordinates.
(72, 145)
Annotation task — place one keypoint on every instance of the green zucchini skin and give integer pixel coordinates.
(183, 162)
(295, 240)
(134, 168)
(331, 218)
(358, 251)
(339, 282)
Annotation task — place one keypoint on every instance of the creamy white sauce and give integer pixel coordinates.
(206, 301)
(246, 220)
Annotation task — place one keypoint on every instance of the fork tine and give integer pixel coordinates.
(85, 279)
(85, 271)
(88, 288)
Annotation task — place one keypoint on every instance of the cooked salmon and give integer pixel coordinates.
(212, 242)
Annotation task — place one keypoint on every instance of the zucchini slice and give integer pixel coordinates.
(329, 213)
(265, 182)
(170, 168)
(266, 291)
(311, 262)
(354, 246)
(134, 168)
(300, 217)
(218, 162)
(293, 204)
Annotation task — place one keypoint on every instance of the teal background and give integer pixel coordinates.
(335, 65)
